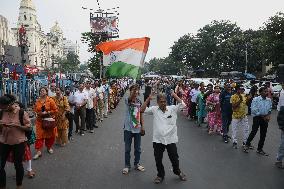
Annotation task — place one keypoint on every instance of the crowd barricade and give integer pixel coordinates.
(27, 90)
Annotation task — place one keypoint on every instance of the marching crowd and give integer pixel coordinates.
(54, 113)
(222, 107)
(56, 109)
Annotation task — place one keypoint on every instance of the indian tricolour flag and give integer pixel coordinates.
(124, 57)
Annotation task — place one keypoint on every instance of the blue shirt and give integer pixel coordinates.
(128, 126)
(261, 106)
(225, 101)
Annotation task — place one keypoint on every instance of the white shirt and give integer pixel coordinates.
(164, 124)
(100, 92)
(91, 93)
(80, 97)
(51, 94)
(281, 100)
(194, 93)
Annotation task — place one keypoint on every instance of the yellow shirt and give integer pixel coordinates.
(240, 111)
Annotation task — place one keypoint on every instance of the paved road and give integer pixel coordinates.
(96, 160)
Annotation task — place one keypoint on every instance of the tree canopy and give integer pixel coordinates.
(223, 46)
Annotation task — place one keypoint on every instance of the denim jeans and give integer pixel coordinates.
(226, 121)
(128, 135)
(280, 154)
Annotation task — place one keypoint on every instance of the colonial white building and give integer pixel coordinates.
(43, 48)
(6, 35)
(70, 46)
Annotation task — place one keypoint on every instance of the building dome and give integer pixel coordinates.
(27, 4)
(56, 29)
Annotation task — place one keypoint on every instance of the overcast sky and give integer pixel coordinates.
(164, 21)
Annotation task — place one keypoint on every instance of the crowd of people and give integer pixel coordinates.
(217, 108)
(210, 106)
(50, 121)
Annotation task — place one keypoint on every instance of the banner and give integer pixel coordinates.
(104, 25)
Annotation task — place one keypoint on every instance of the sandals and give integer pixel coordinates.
(182, 177)
(140, 168)
(37, 156)
(125, 171)
(158, 180)
(31, 174)
(50, 151)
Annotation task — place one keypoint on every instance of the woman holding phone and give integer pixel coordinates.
(12, 137)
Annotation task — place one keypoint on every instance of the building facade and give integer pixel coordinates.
(43, 49)
(6, 35)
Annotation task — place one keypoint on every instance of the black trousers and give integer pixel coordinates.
(258, 121)
(193, 110)
(18, 152)
(90, 119)
(70, 129)
(173, 155)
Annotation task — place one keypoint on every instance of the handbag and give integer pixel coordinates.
(210, 107)
(48, 123)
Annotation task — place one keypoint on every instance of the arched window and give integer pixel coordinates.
(25, 17)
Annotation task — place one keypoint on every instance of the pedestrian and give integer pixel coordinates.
(239, 116)
(44, 107)
(12, 138)
(226, 110)
(100, 101)
(261, 107)
(105, 89)
(51, 91)
(30, 140)
(80, 99)
(280, 120)
(201, 112)
(165, 133)
(214, 111)
(193, 95)
(133, 129)
(90, 112)
(61, 120)
(70, 115)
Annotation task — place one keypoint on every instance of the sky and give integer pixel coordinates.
(164, 21)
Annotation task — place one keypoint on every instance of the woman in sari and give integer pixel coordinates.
(61, 120)
(44, 107)
(214, 114)
(201, 103)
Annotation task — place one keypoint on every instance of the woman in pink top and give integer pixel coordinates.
(12, 138)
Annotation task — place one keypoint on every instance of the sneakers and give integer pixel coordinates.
(246, 149)
(82, 133)
(235, 145)
(225, 139)
(50, 151)
(91, 131)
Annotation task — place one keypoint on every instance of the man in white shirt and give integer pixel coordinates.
(91, 102)
(80, 99)
(106, 97)
(165, 133)
(280, 120)
(51, 91)
(100, 101)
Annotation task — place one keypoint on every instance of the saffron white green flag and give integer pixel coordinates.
(124, 57)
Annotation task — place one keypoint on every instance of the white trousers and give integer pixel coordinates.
(236, 123)
(106, 107)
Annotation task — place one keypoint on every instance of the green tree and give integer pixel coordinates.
(93, 40)
(274, 33)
